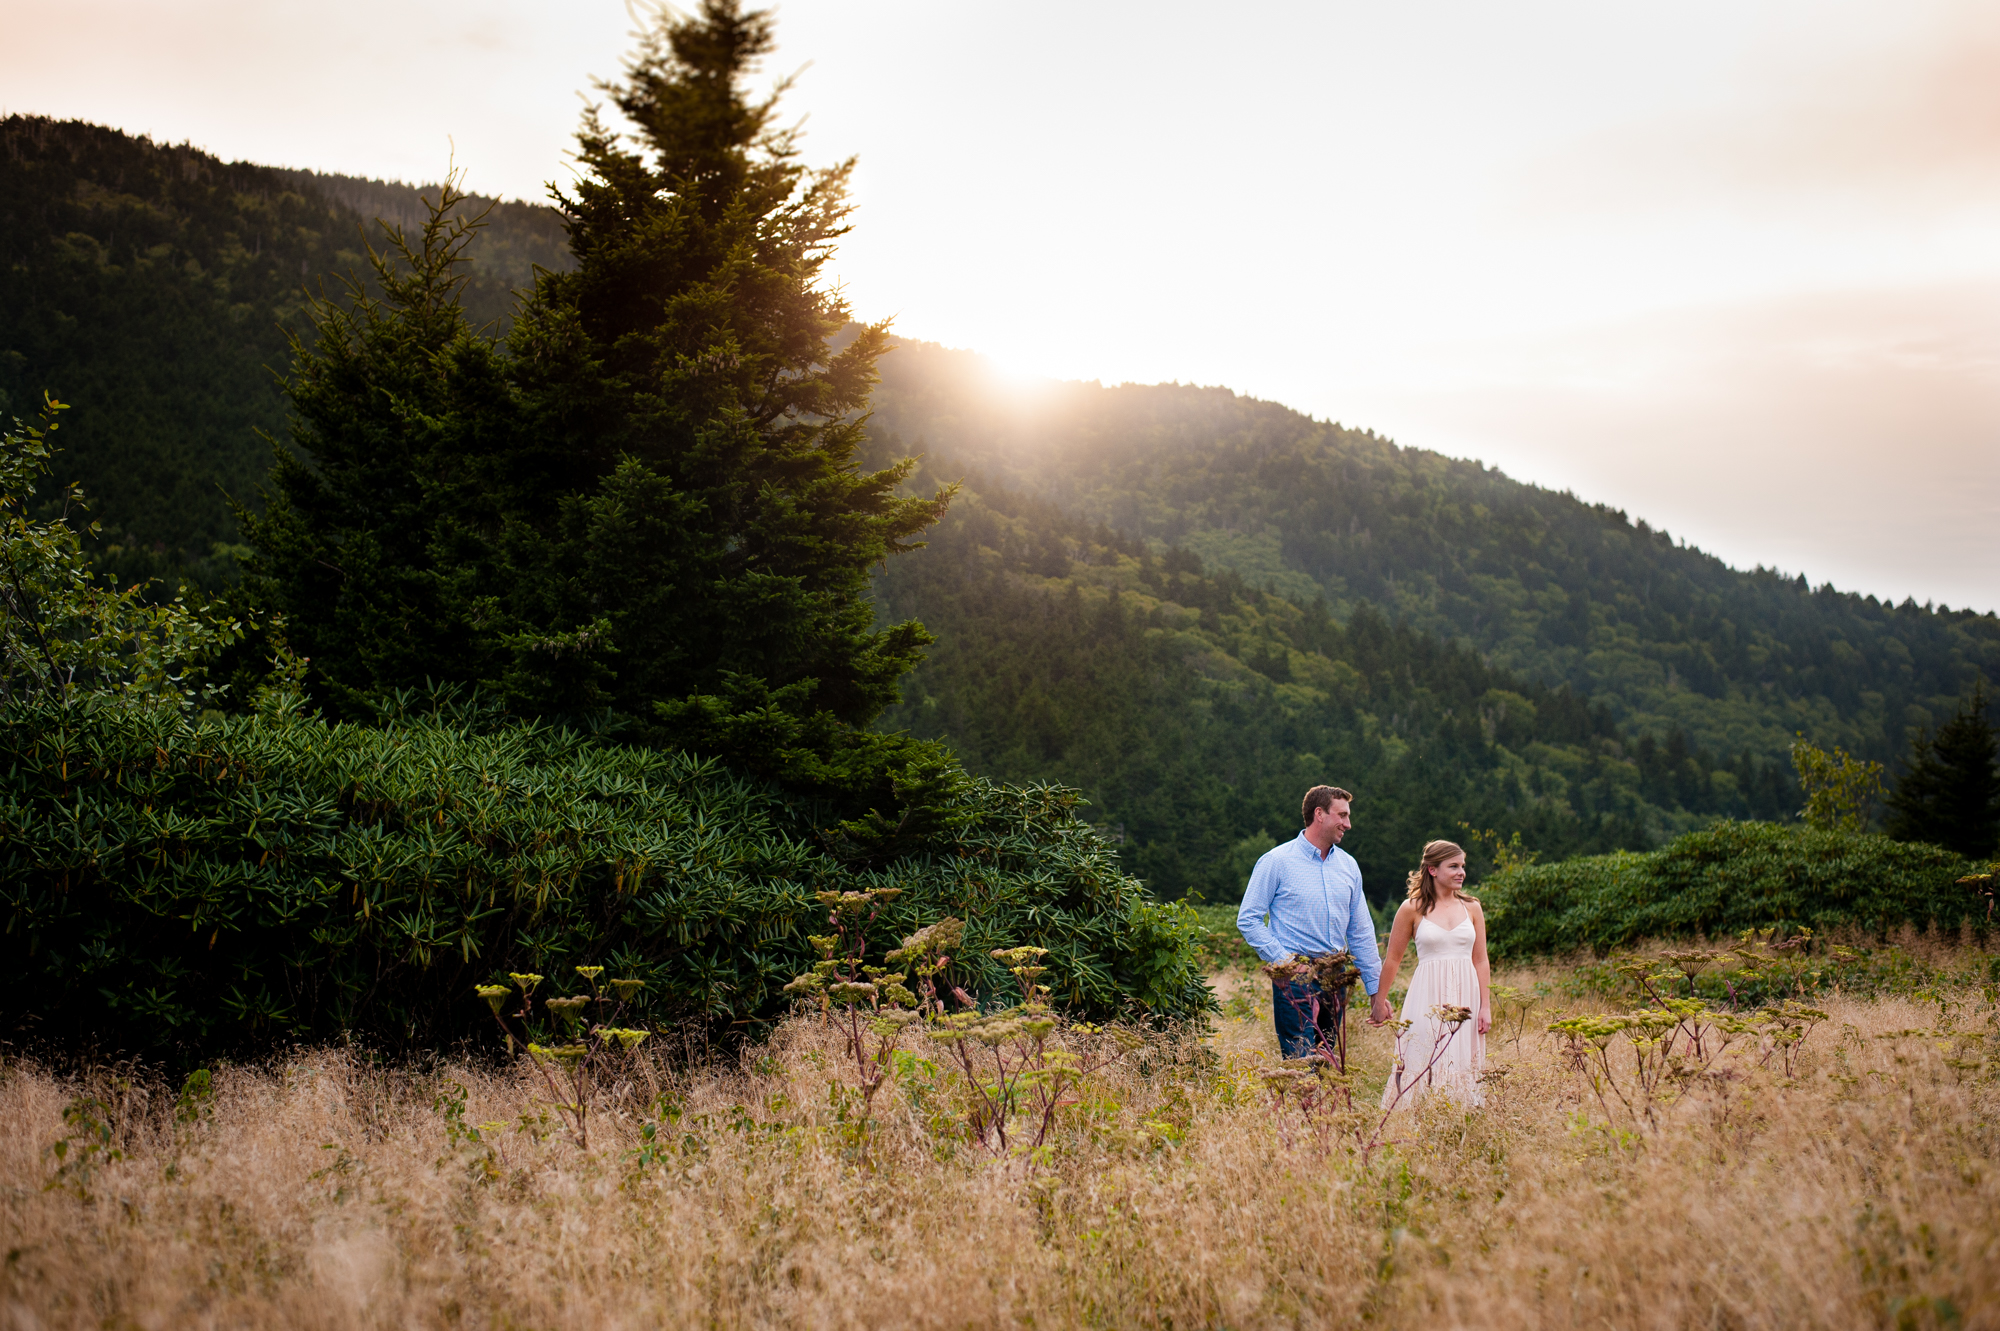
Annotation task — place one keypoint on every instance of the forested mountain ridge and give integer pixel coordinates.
(1543, 584)
(152, 286)
(1192, 708)
(1295, 601)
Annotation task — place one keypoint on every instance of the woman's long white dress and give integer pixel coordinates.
(1444, 978)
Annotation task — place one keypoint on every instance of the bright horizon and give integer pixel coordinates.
(1733, 269)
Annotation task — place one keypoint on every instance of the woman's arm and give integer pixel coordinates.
(1481, 965)
(1399, 941)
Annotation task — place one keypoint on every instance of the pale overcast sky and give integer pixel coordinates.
(1732, 266)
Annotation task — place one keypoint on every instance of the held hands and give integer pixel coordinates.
(1378, 1010)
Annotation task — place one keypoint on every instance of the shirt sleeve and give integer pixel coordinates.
(1361, 937)
(1256, 901)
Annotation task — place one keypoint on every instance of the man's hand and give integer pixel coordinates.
(1378, 1010)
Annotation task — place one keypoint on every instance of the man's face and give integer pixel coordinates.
(1333, 820)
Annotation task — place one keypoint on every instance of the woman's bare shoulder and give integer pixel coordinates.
(1472, 904)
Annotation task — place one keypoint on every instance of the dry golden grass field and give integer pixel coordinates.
(324, 1190)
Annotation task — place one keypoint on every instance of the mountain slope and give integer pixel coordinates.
(153, 287)
(1294, 601)
(1193, 710)
(1540, 583)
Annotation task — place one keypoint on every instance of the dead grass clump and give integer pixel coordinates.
(323, 1190)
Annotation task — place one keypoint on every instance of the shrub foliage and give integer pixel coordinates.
(1722, 880)
(63, 630)
(230, 881)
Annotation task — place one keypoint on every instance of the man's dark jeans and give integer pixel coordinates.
(1304, 1017)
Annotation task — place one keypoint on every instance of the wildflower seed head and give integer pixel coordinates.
(590, 972)
(1692, 964)
(946, 933)
(1333, 972)
(1286, 971)
(928, 945)
(853, 905)
(527, 982)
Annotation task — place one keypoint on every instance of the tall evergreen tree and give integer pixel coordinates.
(647, 499)
(724, 554)
(1949, 794)
(401, 413)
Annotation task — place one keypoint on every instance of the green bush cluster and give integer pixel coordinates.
(1751, 973)
(230, 881)
(1722, 880)
(1221, 945)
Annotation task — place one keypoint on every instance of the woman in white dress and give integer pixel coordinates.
(1434, 1053)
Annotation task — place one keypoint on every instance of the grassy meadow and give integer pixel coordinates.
(1856, 1187)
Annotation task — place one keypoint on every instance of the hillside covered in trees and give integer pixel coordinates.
(1540, 583)
(1192, 708)
(155, 287)
(1187, 603)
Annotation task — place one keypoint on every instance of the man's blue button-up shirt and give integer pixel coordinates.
(1315, 904)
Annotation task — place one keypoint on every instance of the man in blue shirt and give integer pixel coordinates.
(1311, 889)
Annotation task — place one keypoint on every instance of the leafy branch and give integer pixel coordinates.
(62, 632)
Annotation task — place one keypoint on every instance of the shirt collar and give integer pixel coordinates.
(1313, 850)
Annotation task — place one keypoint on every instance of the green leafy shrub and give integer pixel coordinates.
(1723, 880)
(63, 630)
(170, 881)
(1762, 968)
(1221, 946)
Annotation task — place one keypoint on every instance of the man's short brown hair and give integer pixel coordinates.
(1320, 797)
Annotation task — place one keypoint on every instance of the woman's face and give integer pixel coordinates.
(1450, 874)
